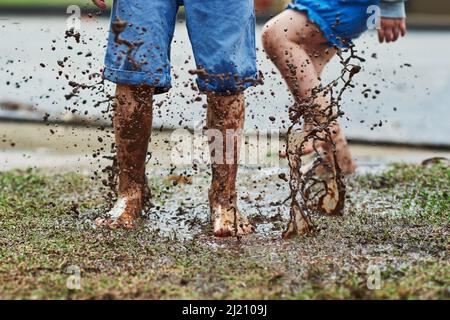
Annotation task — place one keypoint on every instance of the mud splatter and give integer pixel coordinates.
(320, 187)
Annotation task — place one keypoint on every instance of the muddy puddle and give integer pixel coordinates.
(181, 208)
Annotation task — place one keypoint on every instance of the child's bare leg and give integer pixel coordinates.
(299, 50)
(225, 120)
(132, 124)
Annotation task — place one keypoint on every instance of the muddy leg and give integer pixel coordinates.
(132, 125)
(297, 47)
(225, 122)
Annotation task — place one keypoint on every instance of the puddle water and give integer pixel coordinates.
(182, 211)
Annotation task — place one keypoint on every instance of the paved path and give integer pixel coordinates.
(67, 148)
(420, 94)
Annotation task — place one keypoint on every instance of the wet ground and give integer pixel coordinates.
(58, 148)
(412, 77)
(392, 242)
(61, 148)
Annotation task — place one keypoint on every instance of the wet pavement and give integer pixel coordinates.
(180, 191)
(60, 148)
(413, 77)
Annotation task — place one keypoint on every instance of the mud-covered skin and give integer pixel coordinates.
(226, 114)
(300, 223)
(132, 125)
(343, 155)
(124, 214)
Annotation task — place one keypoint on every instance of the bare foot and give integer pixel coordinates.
(343, 156)
(311, 143)
(124, 214)
(228, 222)
(331, 202)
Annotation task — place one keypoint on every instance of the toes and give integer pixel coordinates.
(127, 225)
(101, 222)
(108, 223)
(230, 231)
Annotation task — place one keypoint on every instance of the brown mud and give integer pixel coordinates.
(309, 190)
(226, 115)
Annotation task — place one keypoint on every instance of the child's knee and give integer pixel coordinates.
(269, 38)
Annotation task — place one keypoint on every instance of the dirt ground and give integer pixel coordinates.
(391, 243)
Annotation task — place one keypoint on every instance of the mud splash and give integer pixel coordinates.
(303, 185)
(222, 193)
(320, 187)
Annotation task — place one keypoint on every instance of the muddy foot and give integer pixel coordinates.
(343, 155)
(229, 222)
(124, 214)
(345, 160)
(312, 143)
(330, 203)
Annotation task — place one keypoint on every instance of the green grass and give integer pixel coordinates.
(426, 195)
(46, 226)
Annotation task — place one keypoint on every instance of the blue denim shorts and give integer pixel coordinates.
(340, 20)
(222, 35)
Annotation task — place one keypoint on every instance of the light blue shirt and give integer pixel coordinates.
(393, 8)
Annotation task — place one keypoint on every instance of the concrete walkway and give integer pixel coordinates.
(66, 148)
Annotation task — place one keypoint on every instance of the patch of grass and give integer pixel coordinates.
(423, 190)
(46, 227)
